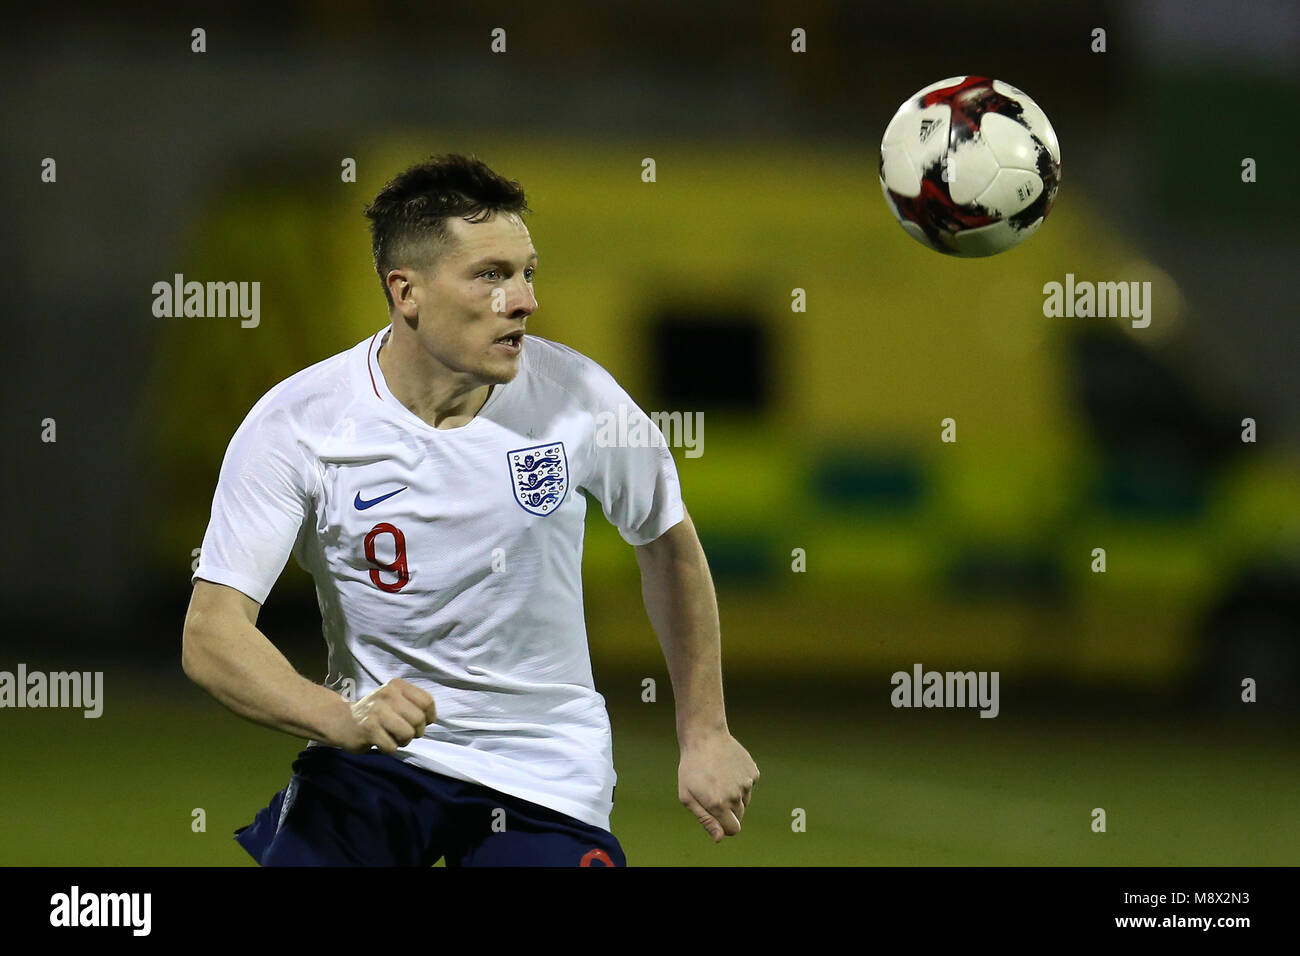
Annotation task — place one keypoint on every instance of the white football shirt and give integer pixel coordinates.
(451, 558)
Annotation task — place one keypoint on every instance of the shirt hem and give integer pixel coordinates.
(579, 811)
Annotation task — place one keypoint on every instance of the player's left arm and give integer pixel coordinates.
(716, 775)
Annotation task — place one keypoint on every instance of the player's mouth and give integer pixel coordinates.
(511, 342)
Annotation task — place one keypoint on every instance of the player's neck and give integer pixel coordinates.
(430, 390)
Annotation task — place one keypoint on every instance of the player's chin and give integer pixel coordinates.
(502, 366)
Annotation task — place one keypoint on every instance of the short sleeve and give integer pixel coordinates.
(263, 495)
(633, 474)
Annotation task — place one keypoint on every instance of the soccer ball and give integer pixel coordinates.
(970, 166)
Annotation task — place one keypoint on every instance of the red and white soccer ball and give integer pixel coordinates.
(970, 166)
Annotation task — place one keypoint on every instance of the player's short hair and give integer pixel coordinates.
(408, 219)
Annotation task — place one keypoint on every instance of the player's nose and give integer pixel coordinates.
(524, 302)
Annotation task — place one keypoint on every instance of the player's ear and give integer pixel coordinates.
(402, 289)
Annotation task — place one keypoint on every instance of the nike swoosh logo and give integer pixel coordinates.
(361, 504)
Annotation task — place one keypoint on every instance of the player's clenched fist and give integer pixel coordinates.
(389, 718)
(715, 781)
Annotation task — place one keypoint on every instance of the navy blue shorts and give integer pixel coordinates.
(344, 809)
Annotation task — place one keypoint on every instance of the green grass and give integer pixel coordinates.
(878, 786)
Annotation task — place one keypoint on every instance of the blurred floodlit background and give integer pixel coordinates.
(821, 428)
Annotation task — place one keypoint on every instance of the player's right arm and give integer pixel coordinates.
(226, 655)
(264, 494)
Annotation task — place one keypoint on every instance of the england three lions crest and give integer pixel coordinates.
(539, 476)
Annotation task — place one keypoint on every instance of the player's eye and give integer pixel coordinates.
(490, 274)
(529, 273)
